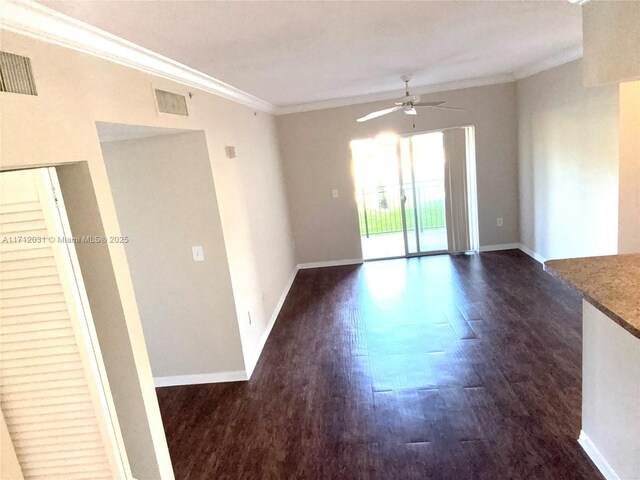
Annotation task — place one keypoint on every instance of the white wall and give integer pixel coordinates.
(568, 157)
(317, 158)
(610, 389)
(166, 203)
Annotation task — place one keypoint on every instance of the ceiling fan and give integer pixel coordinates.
(407, 104)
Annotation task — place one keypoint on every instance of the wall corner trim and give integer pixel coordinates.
(218, 377)
(26, 17)
(513, 246)
(536, 256)
(501, 246)
(274, 316)
(331, 263)
(596, 457)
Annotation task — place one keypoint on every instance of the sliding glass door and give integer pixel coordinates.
(412, 193)
(379, 196)
(423, 169)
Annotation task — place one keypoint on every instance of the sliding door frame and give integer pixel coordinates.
(470, 137)
(472, 192)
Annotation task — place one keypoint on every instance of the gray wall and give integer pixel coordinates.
(166, 203)
(316, 157)
(568, 153)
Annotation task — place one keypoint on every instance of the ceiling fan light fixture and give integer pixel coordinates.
(407, 104)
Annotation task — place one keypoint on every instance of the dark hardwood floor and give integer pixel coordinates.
(444, 367)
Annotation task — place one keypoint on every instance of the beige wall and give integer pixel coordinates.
(568, 141)
(611, 36)
(629, 198)
(316, 156)
(9, 466)
(166, 203)
(108, 317)
(58, 126)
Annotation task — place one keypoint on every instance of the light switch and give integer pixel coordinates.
(230, 151)
(335, 193)
(198, 254)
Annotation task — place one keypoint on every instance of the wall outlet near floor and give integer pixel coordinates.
(499, 222)
(335, 193)
(198, 254)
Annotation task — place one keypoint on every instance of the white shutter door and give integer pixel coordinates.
(52, 386)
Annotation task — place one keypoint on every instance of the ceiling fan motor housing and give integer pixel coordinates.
(408, 99)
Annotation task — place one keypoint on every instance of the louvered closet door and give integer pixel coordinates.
(53, 391)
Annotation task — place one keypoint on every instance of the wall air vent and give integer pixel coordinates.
(16, 75)
(171, 103)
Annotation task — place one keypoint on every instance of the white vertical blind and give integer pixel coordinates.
(457, 204)
(51, 392)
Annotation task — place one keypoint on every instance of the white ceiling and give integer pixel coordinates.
(291, 53)
(115, 132)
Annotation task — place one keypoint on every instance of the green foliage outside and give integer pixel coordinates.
(387, 220)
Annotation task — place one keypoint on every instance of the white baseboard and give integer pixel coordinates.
(532, 254)
(596, 457)
(332, 263)
(239, 375)
(272, 322)
(219, 377)
(512, 246)
(502, 246)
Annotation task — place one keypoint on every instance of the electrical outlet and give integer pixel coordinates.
(334, 192)
(198, 254)
(499, 222)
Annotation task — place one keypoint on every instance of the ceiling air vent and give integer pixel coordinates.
(171, 103)
(16, 75)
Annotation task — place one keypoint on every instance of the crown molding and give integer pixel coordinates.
(565, 56)
(561, 58)
(32, 19)
(391, 94)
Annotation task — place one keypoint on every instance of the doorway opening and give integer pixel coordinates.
(416, 193)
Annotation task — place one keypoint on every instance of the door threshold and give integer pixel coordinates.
(412, 255)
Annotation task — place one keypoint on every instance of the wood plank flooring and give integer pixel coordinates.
(444, 367)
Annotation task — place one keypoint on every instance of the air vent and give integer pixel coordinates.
(16, 75)
(171, 103)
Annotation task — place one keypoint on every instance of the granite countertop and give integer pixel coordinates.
(609, 283)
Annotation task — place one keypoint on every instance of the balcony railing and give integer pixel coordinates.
(380, 208)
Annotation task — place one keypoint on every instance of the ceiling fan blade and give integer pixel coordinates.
(429, 104)
(411, 111)
(449, 108)
(439, 106)
(377, 114)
